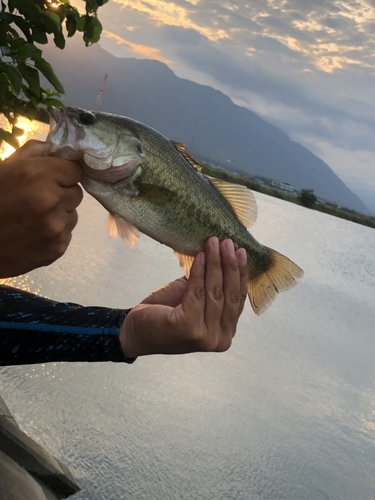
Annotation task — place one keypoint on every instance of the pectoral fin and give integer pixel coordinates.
(117, 226)
(156, 195)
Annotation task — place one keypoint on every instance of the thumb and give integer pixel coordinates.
(168, 295)
(32, 149)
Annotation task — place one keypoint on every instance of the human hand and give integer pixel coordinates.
(38, 200)
(199, 314)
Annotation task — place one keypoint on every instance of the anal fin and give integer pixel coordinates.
(186, 261)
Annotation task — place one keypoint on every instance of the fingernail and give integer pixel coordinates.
(229, 247)
(215, 245)
(242, 256)
(202, 257)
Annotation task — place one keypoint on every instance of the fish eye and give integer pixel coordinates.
(87, 118)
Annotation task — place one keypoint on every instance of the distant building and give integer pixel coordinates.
(283, 186)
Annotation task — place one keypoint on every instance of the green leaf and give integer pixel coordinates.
(48, 92)
(31, 76)
(93, 30)
(49, 25)
(91, 6)
(53, 102)
(29, 51)
(15, 5)
(14, 76)
(71, 25)
(23, 26)
(81, 23)
(46, 69)
(3, 33)
(55, 18)
(39, 36)
(59, 40)
(8, 51)
(30, 110)
(3, 86)
(9, 138)
(12, 5)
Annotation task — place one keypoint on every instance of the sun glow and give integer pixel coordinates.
(169, 13)
(142, 50)
(31, 130)
(54, 4)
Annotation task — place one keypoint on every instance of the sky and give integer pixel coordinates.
(306, 66)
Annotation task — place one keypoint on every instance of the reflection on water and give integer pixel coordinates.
(287, 413)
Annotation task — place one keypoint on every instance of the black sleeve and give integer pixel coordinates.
(38, 330)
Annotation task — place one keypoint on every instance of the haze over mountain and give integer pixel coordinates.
(207, 121)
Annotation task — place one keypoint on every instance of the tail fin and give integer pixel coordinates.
(279, 276)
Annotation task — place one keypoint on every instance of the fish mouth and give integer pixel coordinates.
(63, 135)
(66, 140)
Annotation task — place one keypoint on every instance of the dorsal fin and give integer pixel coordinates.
(117, 226)
(181, 148)
(240, 198)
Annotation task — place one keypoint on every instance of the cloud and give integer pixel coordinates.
(138, 49)
(172, 14)
(305, 66)
(264, 65)
(294, 104)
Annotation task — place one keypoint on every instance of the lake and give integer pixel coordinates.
(287, 413)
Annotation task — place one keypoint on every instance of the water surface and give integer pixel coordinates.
(287, 413)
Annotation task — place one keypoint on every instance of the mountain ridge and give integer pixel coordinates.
(211, 125)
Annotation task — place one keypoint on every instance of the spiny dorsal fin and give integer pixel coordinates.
(181, 148)
(186, 261)
(117, 226)
(240, 198)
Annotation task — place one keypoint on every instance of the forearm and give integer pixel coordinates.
(38, 330)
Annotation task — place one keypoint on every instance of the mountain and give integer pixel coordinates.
(207, 121)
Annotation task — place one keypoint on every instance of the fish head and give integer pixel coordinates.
(107, 152)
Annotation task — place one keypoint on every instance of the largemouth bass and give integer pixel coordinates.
(150, 184)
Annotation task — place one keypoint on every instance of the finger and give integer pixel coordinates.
(68, 173)
(71, 222)
(232, 288)
(242, 263)
(214, 285)
(31, 149)
(169, 295)
(73, 197)
(193, 303)
(61, 225)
